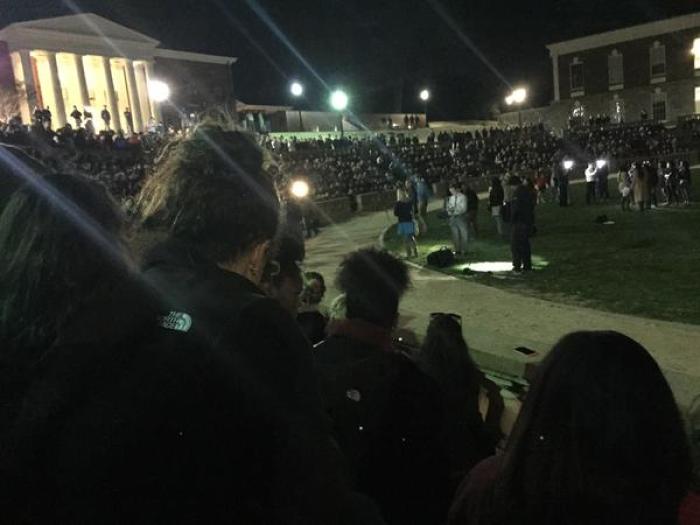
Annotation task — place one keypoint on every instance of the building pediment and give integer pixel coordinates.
(83, 33)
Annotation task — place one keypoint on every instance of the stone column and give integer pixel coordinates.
(59, 111)
(142, 84)
(29, 88)
(134, 99)
(111, 96)
(82, 81)
(555, 74)
(155, 106)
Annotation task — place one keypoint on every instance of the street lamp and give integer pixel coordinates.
(299, 189)
(158, 90)
(424, 95)
(517, 97)
(297, 90)
(339, 101)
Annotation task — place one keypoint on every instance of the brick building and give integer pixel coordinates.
(652, 68)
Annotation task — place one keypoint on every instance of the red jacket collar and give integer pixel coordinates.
(362, 331)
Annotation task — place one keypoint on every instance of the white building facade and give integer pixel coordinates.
(90, 63)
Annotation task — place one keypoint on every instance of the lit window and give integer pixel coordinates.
(697, 100)
(657, 58)
(696, 52)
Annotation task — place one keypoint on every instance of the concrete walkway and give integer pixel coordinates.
(496, 322)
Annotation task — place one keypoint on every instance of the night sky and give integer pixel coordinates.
(381, 51)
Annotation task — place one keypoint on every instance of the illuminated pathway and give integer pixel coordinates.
(496, 321)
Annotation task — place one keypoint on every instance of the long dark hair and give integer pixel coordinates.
(60, 246)
(599, 440)
(445, 356)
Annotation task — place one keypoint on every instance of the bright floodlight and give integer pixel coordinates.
(424, 95)
(509, 100)
(158, 91)
(600, 163)
(339, 100)
(568, 164)
(519, 95)
(300, 189)
(297, 89)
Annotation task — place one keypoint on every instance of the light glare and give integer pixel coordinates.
(158, 91)
(568, 164)
(297, 89)
(600, 163)
(300, 189)
(424, 95)
(519, 95)
(339, 100)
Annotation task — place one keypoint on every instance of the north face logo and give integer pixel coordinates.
(178, 321)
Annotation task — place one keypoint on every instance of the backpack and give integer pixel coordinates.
(441, 258)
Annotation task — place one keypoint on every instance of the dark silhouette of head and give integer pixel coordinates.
(373, 281)
(598, 440)
(445, 355)
(60, 246)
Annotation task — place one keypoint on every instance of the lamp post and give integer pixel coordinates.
(517, 97)
(424, 95)
(339, 101)
(297, 90)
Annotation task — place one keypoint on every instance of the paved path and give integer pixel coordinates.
(497, 321)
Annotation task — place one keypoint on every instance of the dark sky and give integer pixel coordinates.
(381, 51)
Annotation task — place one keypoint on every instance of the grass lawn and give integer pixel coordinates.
(646, 264)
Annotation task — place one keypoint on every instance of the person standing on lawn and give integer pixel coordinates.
(403, 210)
(456, 208)
(522, 224)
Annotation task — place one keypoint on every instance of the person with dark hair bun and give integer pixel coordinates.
(220, 211)
(387, 414)
(599, 440)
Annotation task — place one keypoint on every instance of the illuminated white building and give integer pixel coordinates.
(90, 62)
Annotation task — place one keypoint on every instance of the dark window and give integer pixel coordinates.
(657, 56)
(615, 70)
(576, 76)
(658, 107)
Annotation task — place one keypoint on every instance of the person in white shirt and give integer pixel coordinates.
(456, 209)
(591, 176)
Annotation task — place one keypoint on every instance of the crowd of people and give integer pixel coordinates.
(119, 161)
(177, 384)
(339, 167)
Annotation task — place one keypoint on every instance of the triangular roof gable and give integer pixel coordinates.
(88, 24)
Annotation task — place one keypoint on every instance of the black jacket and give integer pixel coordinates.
(496, 196)
(388, 420)
(472, 200)
(211, 416)
(523, 206)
